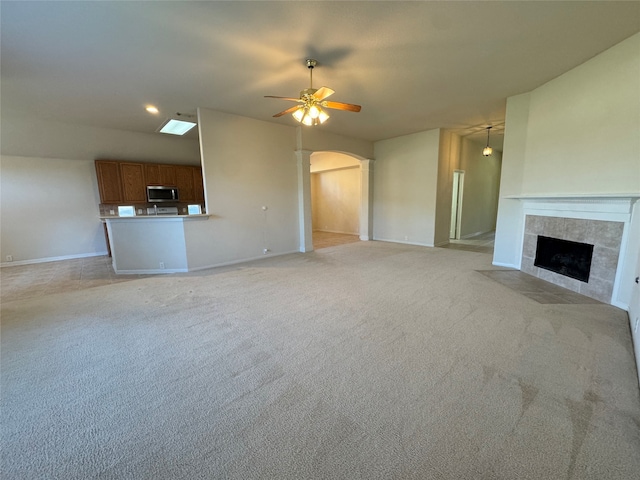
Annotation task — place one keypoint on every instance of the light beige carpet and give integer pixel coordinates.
(365, 361)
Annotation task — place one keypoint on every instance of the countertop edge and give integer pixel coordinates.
(198, 216)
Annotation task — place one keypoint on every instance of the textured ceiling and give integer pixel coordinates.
(413, 66)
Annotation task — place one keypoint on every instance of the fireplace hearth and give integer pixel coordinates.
(572, 259)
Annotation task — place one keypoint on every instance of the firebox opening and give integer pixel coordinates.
(572, 259)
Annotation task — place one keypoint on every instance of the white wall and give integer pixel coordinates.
(405, 187)
(583, 127)
(49, 209)
(247, 164)
(335, 200)
(481, 189)
(510, 221)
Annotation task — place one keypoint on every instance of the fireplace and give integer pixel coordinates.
(601, 220)
(602, 238)
(572, 259)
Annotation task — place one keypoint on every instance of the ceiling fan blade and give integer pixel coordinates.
(288, 110)
(323, 92)
(283, 98)
(342, 106)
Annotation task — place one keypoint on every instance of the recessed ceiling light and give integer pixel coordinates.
(151, 109)
(176, 127)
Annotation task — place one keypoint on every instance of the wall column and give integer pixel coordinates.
(366, 199)
(303, 158)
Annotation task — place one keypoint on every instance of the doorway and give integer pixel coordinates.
(456, 204)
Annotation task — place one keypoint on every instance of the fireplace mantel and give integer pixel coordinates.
(569, 210)
(612, 207)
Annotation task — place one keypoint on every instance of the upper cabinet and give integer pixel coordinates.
(184, 182)
(198, 185)
(109, 183)
(159, 174)
(134, 188)
(126, 182)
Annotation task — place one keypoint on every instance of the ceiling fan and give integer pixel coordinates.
(312, 103)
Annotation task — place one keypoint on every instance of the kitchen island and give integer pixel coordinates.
(151, 244)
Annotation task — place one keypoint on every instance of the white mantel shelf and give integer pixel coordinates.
(579, 205)
(577, 197)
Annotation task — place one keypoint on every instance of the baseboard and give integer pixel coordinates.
(507, 265)
(621, 305)
(404, 242)
(52, 259)
(440, 244)
(336, 231)
(244, 260)
(151, 272)
(476, 234)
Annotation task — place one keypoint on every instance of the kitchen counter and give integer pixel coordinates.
(156, 217)
(152, 243)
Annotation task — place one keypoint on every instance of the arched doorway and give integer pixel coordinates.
(304, 160)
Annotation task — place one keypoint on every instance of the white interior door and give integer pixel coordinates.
(456, 204)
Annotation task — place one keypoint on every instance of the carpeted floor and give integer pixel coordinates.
(363, 361)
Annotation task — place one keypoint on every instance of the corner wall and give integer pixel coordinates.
(405, 188)
(247, 165)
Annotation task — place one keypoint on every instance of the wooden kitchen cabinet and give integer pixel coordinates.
(184, 182)
(109, 182)
(134, 188)
(122, 182)
(198, 185)
(158, 174)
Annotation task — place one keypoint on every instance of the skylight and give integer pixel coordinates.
(176, 127)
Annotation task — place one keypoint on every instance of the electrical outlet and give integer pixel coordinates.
(9, 258)
(406, 238)
(162, 265)
(112, 212)
(265, 251)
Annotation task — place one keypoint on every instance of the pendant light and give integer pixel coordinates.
(487, 151)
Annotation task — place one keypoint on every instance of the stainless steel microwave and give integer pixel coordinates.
(157, 193)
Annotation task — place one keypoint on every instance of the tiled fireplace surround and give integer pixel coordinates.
(602, 221)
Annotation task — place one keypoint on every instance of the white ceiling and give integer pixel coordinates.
(413, 66)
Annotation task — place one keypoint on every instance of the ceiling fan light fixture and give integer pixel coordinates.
(323, 116)
(314, 111)
(312, 103)
(298, 114)
(307, 120)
